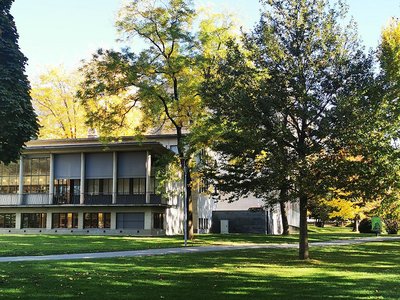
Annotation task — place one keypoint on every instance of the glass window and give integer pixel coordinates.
(158, 221)
(7, 220)
(99, 186)
(97, 220)
(9, 178)
(33, 220)
(36, 175)
(65, 220)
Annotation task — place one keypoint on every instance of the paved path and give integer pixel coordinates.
(165, 251)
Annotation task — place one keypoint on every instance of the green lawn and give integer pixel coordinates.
(367, 271)
(12, 245)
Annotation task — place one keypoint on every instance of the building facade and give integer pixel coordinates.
(84, 186)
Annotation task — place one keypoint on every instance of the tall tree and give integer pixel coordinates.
(18, 122)
(304, 68)
(163, 79)
(60, 113)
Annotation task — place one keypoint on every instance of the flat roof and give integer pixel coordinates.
(145, 143)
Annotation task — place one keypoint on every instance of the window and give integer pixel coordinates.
(130, 186)
(36, 175)
(97, 220)
(158, 221)
(7, 220)
(203, 223)
(33, 220)
(99, 186)
(66, 189)
(65, 220)
(9, 178)
(174, 148)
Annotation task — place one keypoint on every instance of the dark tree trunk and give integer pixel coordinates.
(282, 202)
(303, 243)
(188, 187)
(189, 204)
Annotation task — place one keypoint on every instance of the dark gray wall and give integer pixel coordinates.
(241, 221)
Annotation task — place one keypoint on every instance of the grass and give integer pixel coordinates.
(14, 245)
(367, 271)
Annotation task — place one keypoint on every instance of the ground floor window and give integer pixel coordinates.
(7, 220)
(203, 223)
(33, 220)
(158, 221)
(97, 220)
(130, 220)
(64, 220)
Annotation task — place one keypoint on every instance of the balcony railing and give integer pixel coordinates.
(9, 199)
(66, 199)
(35, 199)
(93, 199)
(90, 199)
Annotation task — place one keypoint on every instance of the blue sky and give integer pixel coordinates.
(63, 32)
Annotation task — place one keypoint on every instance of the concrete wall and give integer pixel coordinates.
(240, 221)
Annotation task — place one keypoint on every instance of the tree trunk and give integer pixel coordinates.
(303, 242)
(355, 224)
(188, 187)
(282, 202)
(189, 204)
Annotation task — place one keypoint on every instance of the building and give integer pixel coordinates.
(86, 186)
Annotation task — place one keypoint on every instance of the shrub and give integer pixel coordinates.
(392, 226)
(365, 226)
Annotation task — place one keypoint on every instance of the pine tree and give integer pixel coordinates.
(18, 122)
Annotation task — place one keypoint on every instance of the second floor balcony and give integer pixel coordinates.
(89, 199)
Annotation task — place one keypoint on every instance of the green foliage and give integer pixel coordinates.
(18, 122)
(281, 103)
(365, 226)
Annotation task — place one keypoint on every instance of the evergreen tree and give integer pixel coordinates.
(18, 122)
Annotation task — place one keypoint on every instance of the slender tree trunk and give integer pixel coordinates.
(355, 225)
(282, 202)
(188, 187)
(189, 204)
(303, 243)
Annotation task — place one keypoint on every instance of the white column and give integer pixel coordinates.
(82, 195)
(18, 220)
(80, 220)
(21, 181)
(48, 220)
(114, 181)
(51, 179)
(113, 224)
(148, 174)
(147, 220)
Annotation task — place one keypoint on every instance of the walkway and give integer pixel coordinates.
(166, 251)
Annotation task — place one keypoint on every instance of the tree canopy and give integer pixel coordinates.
(163, 79)
(18, 122)
(282, 105)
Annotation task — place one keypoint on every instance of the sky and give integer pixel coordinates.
(63, 32)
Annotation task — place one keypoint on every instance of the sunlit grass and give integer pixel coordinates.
(367, 271)
(13, 245)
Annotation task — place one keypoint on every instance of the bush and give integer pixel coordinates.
(392, 226)
(365, 226)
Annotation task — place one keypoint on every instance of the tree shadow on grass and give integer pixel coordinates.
(353, 272)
